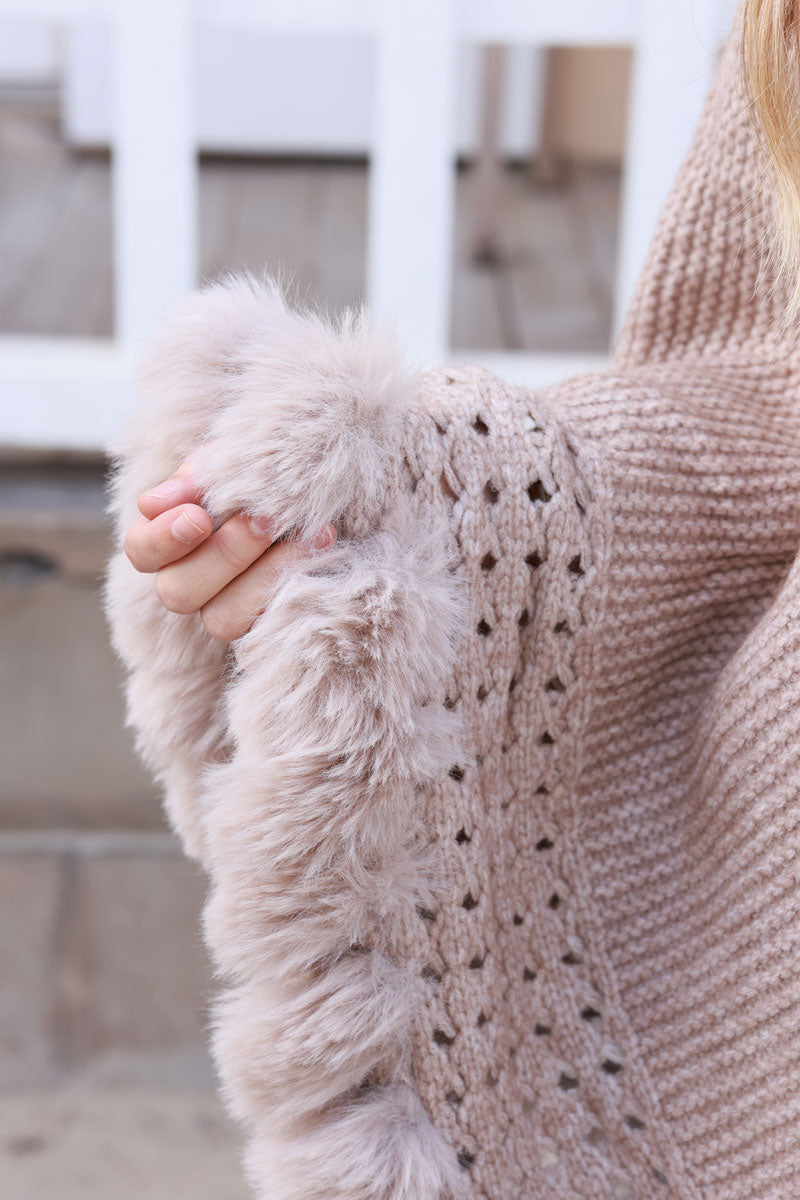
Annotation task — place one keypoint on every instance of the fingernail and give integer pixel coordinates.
(184, 529)
(325, 537)
(164, 490)
(261, 527)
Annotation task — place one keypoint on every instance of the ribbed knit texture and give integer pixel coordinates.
(607, 955)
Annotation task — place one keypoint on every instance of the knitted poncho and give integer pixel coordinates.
(499, 796)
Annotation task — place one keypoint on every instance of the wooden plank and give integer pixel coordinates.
(67, 288)
(475, 322)
(549, 278)
(336, 273)
(33, 177)
(595, 201)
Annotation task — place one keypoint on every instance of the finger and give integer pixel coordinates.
(178, 489)
(232, 611)
(151, 545)
(185, 586)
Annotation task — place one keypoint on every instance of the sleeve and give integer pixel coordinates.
(291, 415)
(318, 775)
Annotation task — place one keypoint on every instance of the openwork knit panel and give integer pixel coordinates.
(499, 797)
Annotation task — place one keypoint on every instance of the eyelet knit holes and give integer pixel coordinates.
(505, 802)
(538, 493)
(447, 489)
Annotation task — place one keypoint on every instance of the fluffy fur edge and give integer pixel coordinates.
(287, 413)
(318, 863)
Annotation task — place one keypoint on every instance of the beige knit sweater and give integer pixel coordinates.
(499, 797)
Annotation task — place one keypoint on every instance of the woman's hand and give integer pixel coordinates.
(226, 576)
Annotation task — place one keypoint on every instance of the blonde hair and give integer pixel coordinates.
(770, 57)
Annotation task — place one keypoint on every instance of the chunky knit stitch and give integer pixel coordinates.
(498, 798)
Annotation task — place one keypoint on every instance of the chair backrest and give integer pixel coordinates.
(72, 393)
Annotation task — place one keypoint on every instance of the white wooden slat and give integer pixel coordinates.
(582, 22)
(40, 11)
(154, 163)
(532, 370)
(62, 393)
(578, 22)
(296, 16)
(412, 177)
(73, 394)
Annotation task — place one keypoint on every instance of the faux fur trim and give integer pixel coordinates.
(318, 861)
(385, 1146)
(291, 414)
(312, 422)
(295, 776)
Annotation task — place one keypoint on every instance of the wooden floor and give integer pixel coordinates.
(550, 289)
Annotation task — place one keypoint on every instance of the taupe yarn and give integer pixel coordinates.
(500, 800)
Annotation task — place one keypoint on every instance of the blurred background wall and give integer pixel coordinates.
(105, 1082)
